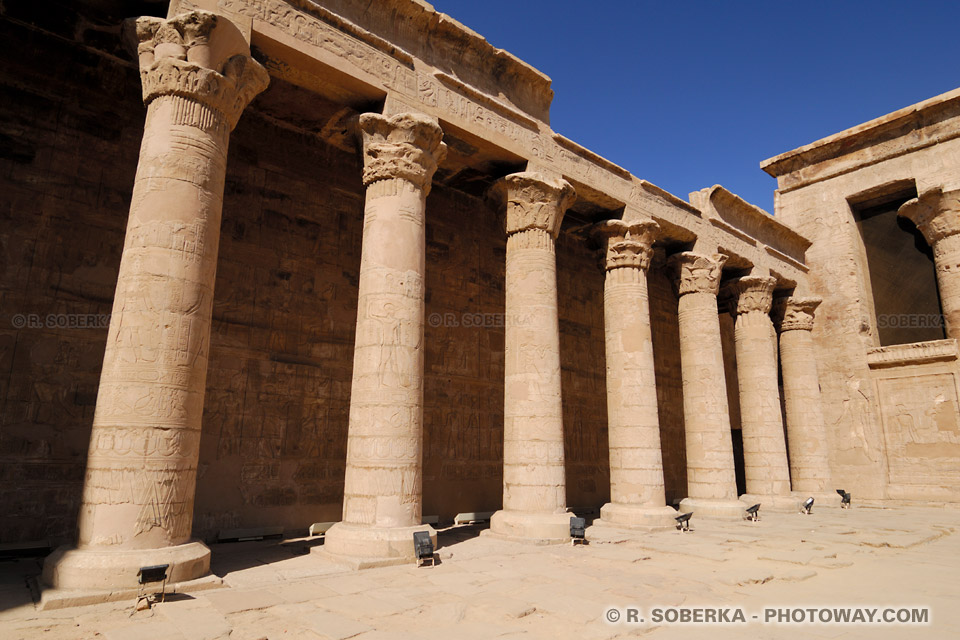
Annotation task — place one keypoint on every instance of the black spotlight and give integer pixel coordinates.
(683, 521)
(578, 530)
(753, 513)
(845, 500)
(423, 546)
(151, 575)
(807, 507)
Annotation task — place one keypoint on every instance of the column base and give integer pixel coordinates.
(716, 508)
(636, 517)
(363, 546)
(104, 569)
(788, 503)
(531, 527)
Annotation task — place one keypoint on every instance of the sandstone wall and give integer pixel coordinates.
(860, 421)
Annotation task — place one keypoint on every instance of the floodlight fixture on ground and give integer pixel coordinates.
(752, 513)
(423, 546)
(151, 574)
(683, 521)
(807, 507)
(578, 530)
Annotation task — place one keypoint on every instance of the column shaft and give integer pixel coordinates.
(382, 499)
(141, 473)
(764, 448)
(946, 257)
(534, 484)
(806, 431)
(711, 482)
(636, 464)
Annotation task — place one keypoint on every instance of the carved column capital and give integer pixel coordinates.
(534, 201)
(698, 273)
(935, 212)
(199, 56)
(754, 293)
(795, 313)
(627, 244)
(407, 146)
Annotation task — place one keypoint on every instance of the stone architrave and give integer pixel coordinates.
(534, 482)
(937, 215)
(764, 448)
(382, 501)
(138, 494)
(711, 480)
(806, 431)
(637, 497)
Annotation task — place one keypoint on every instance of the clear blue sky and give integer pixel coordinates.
(687, 94)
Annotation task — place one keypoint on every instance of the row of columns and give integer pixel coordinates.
(138, 493)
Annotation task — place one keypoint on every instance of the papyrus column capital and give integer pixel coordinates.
(406, 146)
(534, 201)
(935, 212)
(698, 273)
(627, 245)
(198, 56)
(754, 294)
(795, 313)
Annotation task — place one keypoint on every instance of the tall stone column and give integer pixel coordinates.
(534, 482)
(937, 215)
(711, 480)
(764, 448)
(382, 500)
(806, 431)
(138, 493)
(636, 465)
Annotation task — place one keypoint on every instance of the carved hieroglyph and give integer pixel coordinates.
(711, 482)
(764, 449)
(636, 465)
(937, 215)
(197, 78)
(382, 494)
(534, 485)
(806, 431)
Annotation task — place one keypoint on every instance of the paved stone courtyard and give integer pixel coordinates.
(487, 588)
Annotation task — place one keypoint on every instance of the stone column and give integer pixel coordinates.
(711, 481)
(806, 431)
(534, 482)
(937, 214)
(636, 466)
(138, 493)
(382, 497)
(764, 448)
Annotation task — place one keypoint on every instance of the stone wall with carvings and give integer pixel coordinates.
(69, 142)
(821, 189)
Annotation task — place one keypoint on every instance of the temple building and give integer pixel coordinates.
(270, 263)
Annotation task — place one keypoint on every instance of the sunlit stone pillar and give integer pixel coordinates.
(937, 215)
(764, 448)
(138, 493)
(806, 432)
(534, 484)
(711, 480)
(382, 498)
(636, 465)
